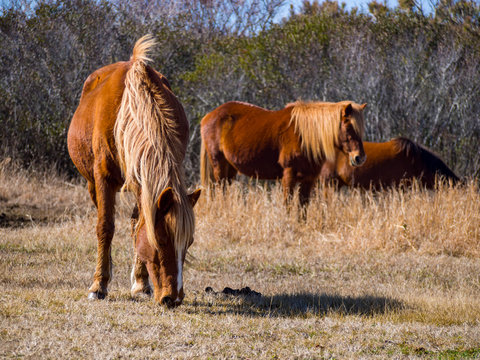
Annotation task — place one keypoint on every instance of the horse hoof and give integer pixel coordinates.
(146, 294)
(168, 302)
(96, 296)
(141, 292)
(147, 291)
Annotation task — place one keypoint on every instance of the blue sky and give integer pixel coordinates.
(361, 4)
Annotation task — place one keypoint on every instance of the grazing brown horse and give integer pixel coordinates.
(130, 131)
(291, 143)
(390, 163)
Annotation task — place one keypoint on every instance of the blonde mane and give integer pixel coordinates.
(318, 125)
(150, 150)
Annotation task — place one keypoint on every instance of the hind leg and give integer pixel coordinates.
(91, 191)
(139, 274)
(223, 171)
(105, 199)
(229, 172)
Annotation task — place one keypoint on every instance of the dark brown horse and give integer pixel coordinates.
(390, 163)
(130, 131)
(291, 143)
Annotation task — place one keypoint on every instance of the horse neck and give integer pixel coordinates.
(344, 170)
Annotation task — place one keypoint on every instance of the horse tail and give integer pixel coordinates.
(206, 169)
(150, 148)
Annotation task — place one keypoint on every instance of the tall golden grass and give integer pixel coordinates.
(441, 222)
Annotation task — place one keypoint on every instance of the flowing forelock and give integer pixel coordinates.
(357, 119)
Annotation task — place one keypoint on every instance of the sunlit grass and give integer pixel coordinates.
(376, 275)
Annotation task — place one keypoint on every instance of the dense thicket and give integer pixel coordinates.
(419, 73)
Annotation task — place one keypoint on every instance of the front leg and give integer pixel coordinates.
(139, 274)
(139, 278)
(306, 186)
(288, 183)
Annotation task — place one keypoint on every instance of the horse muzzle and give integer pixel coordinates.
(357, 160)
(169, 299)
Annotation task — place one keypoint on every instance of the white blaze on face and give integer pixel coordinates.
(179, 272)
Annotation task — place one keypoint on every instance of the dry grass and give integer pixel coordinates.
(385, 275)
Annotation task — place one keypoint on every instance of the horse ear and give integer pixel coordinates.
(363, 106)
(193, 197)
(165, 201)
(347, 110)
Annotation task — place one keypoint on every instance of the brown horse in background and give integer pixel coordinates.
(390, 163)
(291, 143)
(130, 131)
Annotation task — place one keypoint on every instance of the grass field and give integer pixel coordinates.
(366, 275)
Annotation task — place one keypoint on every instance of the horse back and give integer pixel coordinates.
(250, 138)
(433, 166)
(391, 163)
(242, 120)
(161, 83)
(90, 135)
(428, 165)
(103, 91)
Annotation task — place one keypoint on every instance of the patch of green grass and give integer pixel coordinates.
(289, 269)
(449, 354)
(459, 354)
(26, 249)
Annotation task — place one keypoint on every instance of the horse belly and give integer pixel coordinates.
(79, 143)
(263, 164)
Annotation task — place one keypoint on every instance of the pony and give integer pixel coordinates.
(130, 132)
(390, 163)
(290, 144)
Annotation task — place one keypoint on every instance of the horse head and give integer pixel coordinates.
(165, 262)
(351, 133)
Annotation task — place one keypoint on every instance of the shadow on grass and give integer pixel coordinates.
(298, 304)
(303, 304)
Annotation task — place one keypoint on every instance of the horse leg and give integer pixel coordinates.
(230, 171)
(218, 164)
(304, 195)
(91, 191)
(223, 172)
(105, 197)
(139, 274)
(288, 184)
(305, 189)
